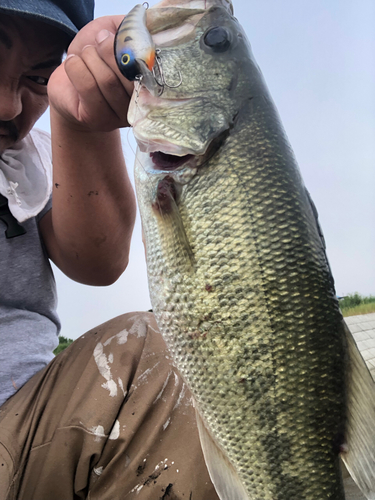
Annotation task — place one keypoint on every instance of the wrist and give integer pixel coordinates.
(69, 129)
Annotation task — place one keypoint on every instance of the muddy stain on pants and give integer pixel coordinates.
(109, 418)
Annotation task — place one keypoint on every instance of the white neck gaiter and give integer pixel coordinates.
(26, 175)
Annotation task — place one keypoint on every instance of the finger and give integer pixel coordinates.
(61, 93)
(108, 82)
(87, 35)
(93, 108)
(104, 45)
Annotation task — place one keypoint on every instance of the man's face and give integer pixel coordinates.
(29, 52)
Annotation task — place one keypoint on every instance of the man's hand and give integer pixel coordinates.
(88, 90)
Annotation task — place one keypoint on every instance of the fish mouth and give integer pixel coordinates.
(169, 162)
(165, 161)
(162, 159)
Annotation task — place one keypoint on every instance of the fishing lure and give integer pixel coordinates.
(134, 47)
(136, 54)
(134, 44)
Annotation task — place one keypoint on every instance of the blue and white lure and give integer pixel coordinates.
(136, 54)
(135, 50)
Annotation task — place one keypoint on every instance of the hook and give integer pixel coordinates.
(146, 5)
(137, 85)
(163, 83)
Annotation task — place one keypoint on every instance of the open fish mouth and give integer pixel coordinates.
(168, 162)
(164, 161)
(172, 125)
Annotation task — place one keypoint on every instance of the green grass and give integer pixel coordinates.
(355, 304)
(63, 344)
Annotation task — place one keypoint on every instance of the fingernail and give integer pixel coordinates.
(85, 47)
(69, 56)
(101, 36)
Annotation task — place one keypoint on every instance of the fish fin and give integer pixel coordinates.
(173, 225)
(352, 492)
(222, 473)
(182, 238)
(359, 458)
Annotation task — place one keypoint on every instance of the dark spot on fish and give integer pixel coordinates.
(57, 185)
(196, 334)
(133, 413)
(141, 469)
(166, 195)
(209, 288)
(93, 192)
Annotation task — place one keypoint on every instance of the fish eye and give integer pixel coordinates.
(218, 39)
(125, 59)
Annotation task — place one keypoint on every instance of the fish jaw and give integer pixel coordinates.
(154, 130)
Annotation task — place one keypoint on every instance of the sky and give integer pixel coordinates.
(318, 59)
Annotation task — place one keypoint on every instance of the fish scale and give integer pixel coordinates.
(238, 276)
(251, 318)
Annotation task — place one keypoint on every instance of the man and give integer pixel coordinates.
(109, 418)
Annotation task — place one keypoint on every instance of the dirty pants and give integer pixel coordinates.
(109, 418)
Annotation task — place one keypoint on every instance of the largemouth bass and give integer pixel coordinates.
(238, 276)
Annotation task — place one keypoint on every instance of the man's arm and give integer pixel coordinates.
(88, 231)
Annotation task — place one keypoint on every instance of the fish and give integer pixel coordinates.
(238, 273)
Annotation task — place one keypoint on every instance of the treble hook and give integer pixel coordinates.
(137, 85)
(163, 83)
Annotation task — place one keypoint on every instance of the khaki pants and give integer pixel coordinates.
(109, 418)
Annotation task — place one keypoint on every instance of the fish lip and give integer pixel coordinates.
(147, 145)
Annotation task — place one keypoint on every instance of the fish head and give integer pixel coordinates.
(207, 72)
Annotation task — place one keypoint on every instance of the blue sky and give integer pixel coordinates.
(318, 59)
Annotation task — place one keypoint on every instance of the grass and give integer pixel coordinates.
(63, 344)
(355, 304)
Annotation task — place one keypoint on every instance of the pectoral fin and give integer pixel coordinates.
(171, 225)
(222, 473)
(360, 434)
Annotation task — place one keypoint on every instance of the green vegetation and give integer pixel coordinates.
(63, 344)
(355, 304)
